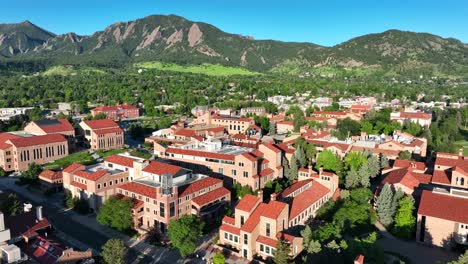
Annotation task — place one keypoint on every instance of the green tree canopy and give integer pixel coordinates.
(328, 160)
(281, 255)
(405, 220)
(114, 252)
(185, 233)
(116, 213)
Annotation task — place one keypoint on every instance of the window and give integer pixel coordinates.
(246, 239)
(242, 220)
(225, 235)
(99, 186)
(233, 172)
(246, 174)
(161, 210)
(267, 229)
(267, 250)
(261, 248)
(236, 239)
(221, 170)
(230, 237)
(171, 209)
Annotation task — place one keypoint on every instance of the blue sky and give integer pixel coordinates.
(322, 22)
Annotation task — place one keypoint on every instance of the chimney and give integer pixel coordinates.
(260, 195)
(2, 222)
(321, 170)
(460, 152)
(273, 197)
(310, 170)
(39, 213)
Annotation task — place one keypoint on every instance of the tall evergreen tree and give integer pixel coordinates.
(282, 252)
(364, 175)
(374, 166)
(405, 220)
(293, 169)
(352, 179)
(301, 156)
(384, 162)
(385, 205)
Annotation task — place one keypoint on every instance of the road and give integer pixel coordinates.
(84, 232)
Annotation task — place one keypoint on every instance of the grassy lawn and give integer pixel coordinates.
(61, 70)
(464, 144)
(208, 69)
(78, 157)
(106, 153)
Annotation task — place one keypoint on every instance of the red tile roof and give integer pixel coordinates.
(266, 172)
(329, 113)
(271, 147)
(121, 160)
(5, 137)
(197, 186)
(108, 130)
(37, 140)
(254, 218)
(285, 236)
(409, 164)
(51, 175)
(444, 207)
(418, 115)
(267, 241)
(101, 124)
(79, 185)
(216, 129)
(294, 187)
(230, 229)
(406, 178)
(211, 196)
(139, 188)
(92, 176)
(273, 209)
(441, 177)
(302, 201)
(249, 156)
(62, 126)
(247, 202)
(185, 133)
(460, 161)
(44, 252)
(73, 167)
(287, 123)
(230, 118)
(160, 168)
(198, 153)
(105, 108)
(285, 148)
(229, 220)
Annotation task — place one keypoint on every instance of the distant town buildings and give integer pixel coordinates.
(7, 114)
(418, 117)
(117, 112)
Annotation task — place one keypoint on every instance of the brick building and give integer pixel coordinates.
(51, 126)
(19, 150)
(102, 134)
(117, 112)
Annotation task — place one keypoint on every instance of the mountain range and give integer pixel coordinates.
(178, 40)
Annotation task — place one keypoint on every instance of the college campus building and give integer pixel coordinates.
(51, 126)
(257, 225)
(232, 124)
(117, 112)
(246, 166)
(418, 117)
(19, 150)
(102, 134)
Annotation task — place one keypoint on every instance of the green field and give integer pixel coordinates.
(64, 71)
(208, 69)
(82, 157)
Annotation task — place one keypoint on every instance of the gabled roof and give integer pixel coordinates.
(51, 175)
(294, 187)
(108, 130)
(185, 132)
(267, 241)
(160, 168)
(406, 178)
(5, 137)
(273, 209)
(101, 123)
(249, 156)
(36, 140)
(304, 200)
(54, 125)
(418, 115)
(198, 153)
(197, 186)
(211, 196)
(139, 188)
(247, 203)
(121, 160)
(399, 163)
(73, 167)
(92, 176)
(272, 147)
(444, 206)
(441, 177)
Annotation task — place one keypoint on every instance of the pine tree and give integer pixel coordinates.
(114, 252)
(282, 252)
(384, 162)
(364, 175)
(405, 221)
(374, 166)
(286, 167)
(293, 169)
(272, 128)
(352, 179)
(386, 205)
(301, 156)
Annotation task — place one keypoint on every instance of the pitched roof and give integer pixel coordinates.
(406, 178)
(121, 160)
(79, 185)
(72, 167)
(294, 187)
(272, 147)
(399, 163)
(267, 241)
(54, 125)
(273, 209)
(302, 201)
(185, 132)
(5, 137)
(419, 115)
(139, 188)
(211, 196)
(247, 202)
(115, 107)
(197, 186)
(441, 177)
(51, 175)
(160, 168)
(37, 140)
(230, 229)
(24, 223)
(229, 220)
(108, 130)
(254, 218)
(101, 123)
(444, 206)
(92, 176)
(198, 153)
(249, 156)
